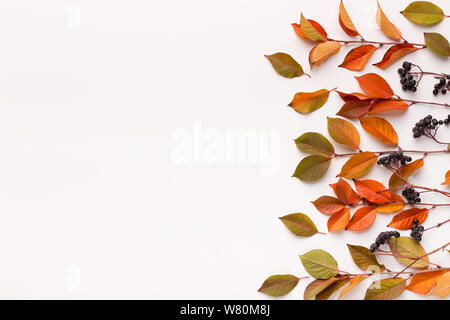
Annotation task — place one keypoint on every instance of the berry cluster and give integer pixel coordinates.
(442, 86)
(417, 231)
(408, 80)
(425, 125)
(396, 157)
(382, 238)
(411, 195)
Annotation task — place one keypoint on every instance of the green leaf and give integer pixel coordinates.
(279, 285)
(423, 12)
(312, 168)
(299, 224)
(386, 289)
(285, 65)
(437, 43)
(319, 264)
(328, 291)
(314, 142)
(317, 286)
(408, 248)
(363, 257)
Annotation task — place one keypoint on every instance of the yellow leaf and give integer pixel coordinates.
(309, 31)
(345, 21)
(380, 128)
(323, 51)
(442, 289)
(386, 26)
(306, 102)
(358, 165)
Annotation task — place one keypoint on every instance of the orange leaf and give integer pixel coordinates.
(314, 24)
(405, 172)
(422, 283)
(388, 105)
(447, 178)
(442, 288)
(404, 219)
(373, 191)
(344, 192)
(353, 96)
(323, 51)
(328, 205)
(357, 58)
(380, 128)
(354, 109)
(353, 283)
(375, 86)
(358, 165)
(345, 21)
(306, 102)
(344, 132)
(386, 26)
(362, 219)
(312, 30)
(394, 54)
(339, 220)
(396, 205)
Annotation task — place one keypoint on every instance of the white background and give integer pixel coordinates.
(92, 203)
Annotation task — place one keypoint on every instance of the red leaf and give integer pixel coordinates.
(388, 105)
(375, 86)
(328, 205)
(316, 26)
(353, 96)
(354, 109)
(373, 191)
(357, 58)
(345, 193)
(404, 219)
(394, 54)
(362, 219)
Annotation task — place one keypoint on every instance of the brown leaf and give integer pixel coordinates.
(394, 54)
(358, 165)
(386, 26)
(353, 96)
(405, 171)
(322, 52)
(343, 132)
(354, 109)
(345, 193)
(306, 102)
(328, 205)
(404, 220)
(357, 58)
(314, 24)
(375, 86)
(311, 30)
(345, 22)
(380, 128)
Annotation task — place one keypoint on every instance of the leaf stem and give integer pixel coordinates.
(378, 42)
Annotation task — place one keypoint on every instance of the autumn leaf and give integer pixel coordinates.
(354, 109)
(306, 102)
(315, 25)
(380, 128)
(312, 168)
(357, 58)
(362, 219)
(311, 30)
(442, 288)
(437, 43)
(319, 264)
(386, 289)
(423, 12)
(373, 191)
(322, 52)
(353, 96)
(422, 283)
(353, 283)
(279, 285)
(363, 258)
(299, 224)
(358, 165)
(447, 178)
(387, 26)
(314, 142)
(405, 172)
(404, 219)
(317, 286)
(328, 291)
(345, 22)
(343, 132)
(395, 205)
(339, 220)
(345, 193)
(388, 105)
(407, 250)
(285, 65)
(394, 54)
(375, 86)
(328, 205)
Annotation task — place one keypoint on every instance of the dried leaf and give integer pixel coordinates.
(388, 105)
(354, 109)
(345, 22)
(357, 58)
(406, 250)
(315, 25)
(339, 220)
(343, 132)
(358, 165)
(328, 205)
(422, 283)
(375, 86)
(394, 54)
(387, 26)
(312, 168)
(279, 285)
(322, 52)
(311, 31)
(317, 286)
(306, 102)
(423, 12)
(373, 191)
(345, 193)
(362, 219)
(386, 289)
(319, 264)
(328, 291)
(405, 171)
(380, 128)
(404, 219)
(353, 96)
(396, 205)
(363, 258)
(437, 43)
(285, 65)
(442, 289)
(314, 142)
(353, 283)
(299, 224)
(447, 178)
